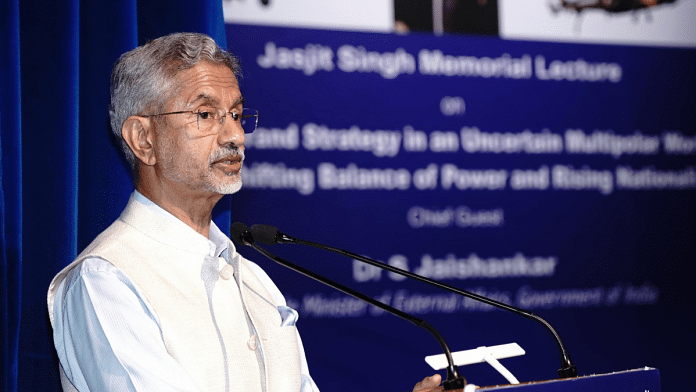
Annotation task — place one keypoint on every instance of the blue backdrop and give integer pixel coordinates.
(555, 177)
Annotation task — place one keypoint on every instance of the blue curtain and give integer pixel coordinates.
(62, 179)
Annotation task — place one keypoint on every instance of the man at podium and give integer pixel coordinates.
(161, 300)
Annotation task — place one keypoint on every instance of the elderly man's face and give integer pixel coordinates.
(210, 162)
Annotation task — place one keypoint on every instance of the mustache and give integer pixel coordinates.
(227, 152)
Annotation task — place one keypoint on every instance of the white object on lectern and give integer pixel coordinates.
(478, 355)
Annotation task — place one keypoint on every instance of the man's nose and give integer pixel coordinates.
(231, 132)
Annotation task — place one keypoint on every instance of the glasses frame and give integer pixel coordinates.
(246, 114)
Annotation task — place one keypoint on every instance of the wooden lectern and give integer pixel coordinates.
(638, 380)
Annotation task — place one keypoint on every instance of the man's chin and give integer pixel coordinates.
(226, 184)
(228, 189)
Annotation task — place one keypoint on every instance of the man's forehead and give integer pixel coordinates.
(211, 83)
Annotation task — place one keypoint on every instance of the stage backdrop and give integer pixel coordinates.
(558, 178)
(555, 177)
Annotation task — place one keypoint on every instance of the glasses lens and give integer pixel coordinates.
(207, 118)
(250, 117)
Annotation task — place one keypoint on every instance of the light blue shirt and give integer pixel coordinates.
(108, 337)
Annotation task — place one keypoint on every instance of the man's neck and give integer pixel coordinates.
(194, 210)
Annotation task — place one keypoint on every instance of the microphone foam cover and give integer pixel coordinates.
(265, 234)
(237, 231)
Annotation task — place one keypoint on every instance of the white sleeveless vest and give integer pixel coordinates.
(220, 335)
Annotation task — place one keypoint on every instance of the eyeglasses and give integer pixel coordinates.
(210, 119)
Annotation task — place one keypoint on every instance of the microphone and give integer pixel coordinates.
(270, 235)
(240, 233)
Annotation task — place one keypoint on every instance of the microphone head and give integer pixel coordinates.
(265, 234)
(240, 234)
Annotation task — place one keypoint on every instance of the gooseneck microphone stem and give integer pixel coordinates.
(567, 369)
(454, 380)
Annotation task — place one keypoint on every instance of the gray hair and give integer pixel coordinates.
(142, 79)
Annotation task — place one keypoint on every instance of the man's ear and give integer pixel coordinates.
(137, 132)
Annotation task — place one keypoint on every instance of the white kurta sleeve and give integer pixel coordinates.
(108, 338)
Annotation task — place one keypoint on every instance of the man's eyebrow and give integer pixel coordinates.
(205, 98)
(239, 101)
